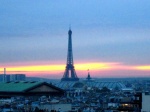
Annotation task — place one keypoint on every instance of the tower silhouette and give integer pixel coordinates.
(70, 73)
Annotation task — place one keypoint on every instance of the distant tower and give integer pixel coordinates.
(70, 73)
(88, 77)
(4, 75)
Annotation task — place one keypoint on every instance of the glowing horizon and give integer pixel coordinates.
(60, 67)
(143, 68)
(57, 70)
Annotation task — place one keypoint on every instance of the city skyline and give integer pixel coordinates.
(110, 38)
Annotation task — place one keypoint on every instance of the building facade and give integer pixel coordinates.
(12, 77)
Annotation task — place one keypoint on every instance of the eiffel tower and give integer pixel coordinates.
(70, 73)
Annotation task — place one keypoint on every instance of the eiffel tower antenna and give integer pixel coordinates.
(70, 73)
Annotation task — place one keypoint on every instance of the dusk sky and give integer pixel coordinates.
(111, 38)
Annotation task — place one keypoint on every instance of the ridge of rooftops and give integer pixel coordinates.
(18, 86)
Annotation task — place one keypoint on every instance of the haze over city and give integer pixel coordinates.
(110, 38)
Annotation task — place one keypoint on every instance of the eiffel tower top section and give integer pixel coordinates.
(70, 53)
(70, 73)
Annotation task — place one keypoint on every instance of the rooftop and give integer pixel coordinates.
(18, 86)
(108, 84)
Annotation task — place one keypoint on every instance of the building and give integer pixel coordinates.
(12, 77)
(24, 88)
(110, 85)
(1, 77)
(56, 106)
(145, 102)
(17, 77)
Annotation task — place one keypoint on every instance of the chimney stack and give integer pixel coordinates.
(5, 71)
(4, 76)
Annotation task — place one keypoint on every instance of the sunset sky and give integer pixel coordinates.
(111, 38)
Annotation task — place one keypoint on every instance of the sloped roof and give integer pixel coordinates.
(108, 84)
(21, 86)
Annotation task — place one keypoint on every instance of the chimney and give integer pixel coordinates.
(4, 76)
(5, 71)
